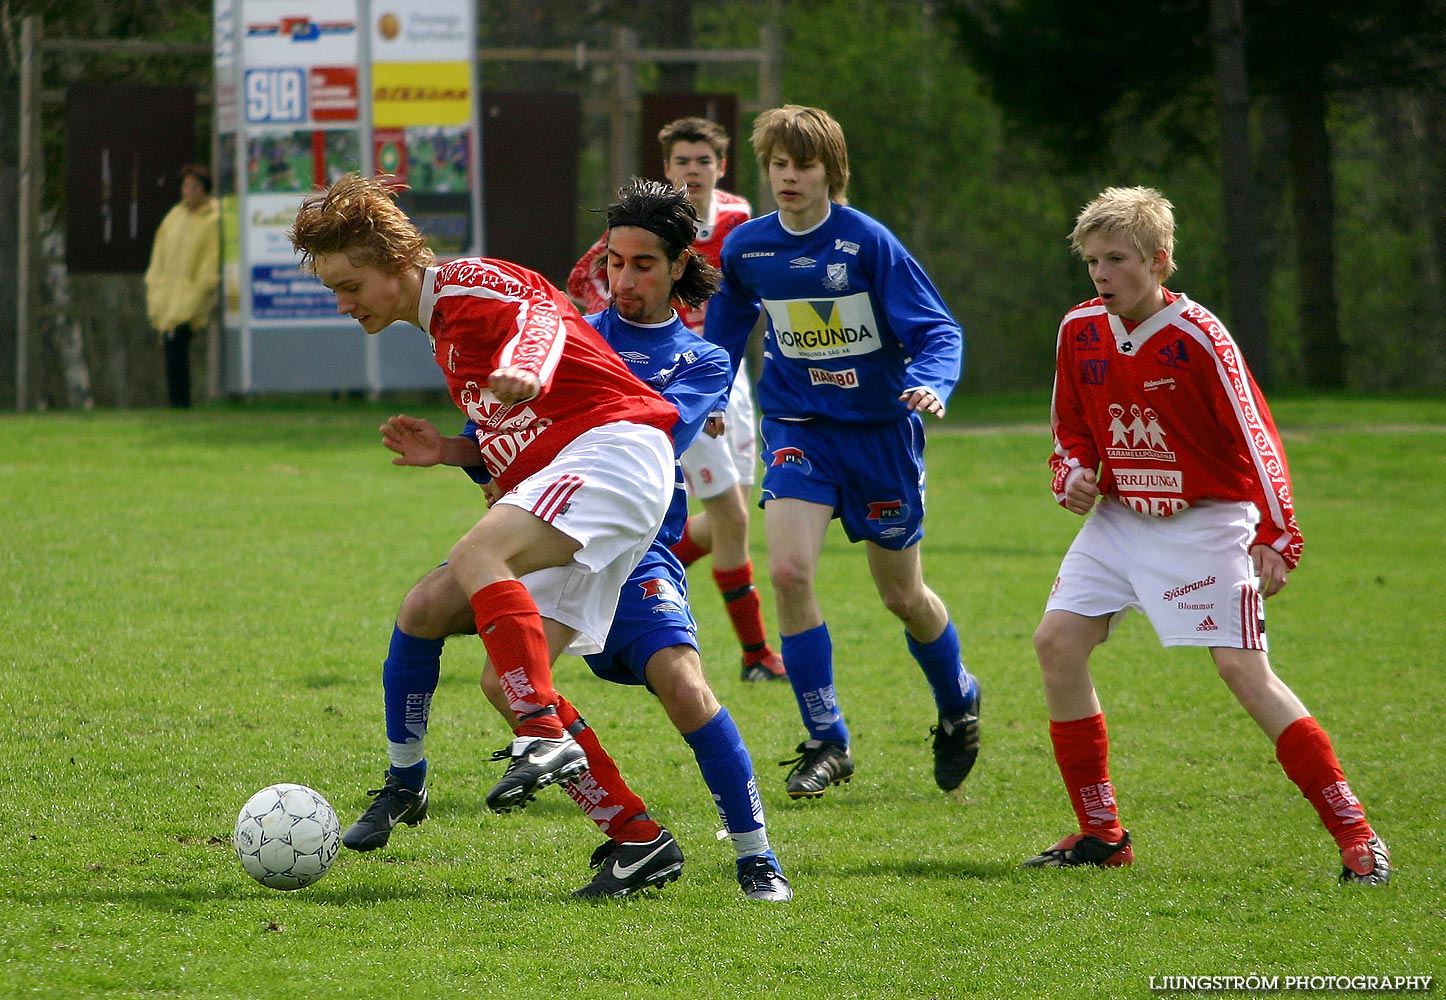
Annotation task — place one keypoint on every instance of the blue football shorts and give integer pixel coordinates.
(652, 614)
(872, 475)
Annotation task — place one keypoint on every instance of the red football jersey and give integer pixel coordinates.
(1169, 414)
(485, 314)
(588, 282)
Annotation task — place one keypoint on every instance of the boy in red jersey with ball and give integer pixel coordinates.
(578, 448)
(1163, 439)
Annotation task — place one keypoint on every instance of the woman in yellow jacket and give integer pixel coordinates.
(183, 276)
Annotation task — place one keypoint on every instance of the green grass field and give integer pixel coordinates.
(196, 605)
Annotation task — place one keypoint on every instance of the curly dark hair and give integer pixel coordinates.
(667, 213)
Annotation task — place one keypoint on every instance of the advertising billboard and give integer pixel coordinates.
(306, 92)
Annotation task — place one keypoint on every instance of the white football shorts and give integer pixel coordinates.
(1190, 574)
(712, 466)
(607, 490)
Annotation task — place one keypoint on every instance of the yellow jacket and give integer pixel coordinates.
(185, 268)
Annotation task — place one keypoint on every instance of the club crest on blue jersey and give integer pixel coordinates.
(836, 277)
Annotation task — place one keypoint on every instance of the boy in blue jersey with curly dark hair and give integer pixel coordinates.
(653, 640)
(859, 346)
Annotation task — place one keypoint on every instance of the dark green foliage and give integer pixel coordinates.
(977, 128)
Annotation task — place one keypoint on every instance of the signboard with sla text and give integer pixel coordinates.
(300, 109)
(308, 91)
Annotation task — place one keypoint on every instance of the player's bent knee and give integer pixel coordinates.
(433, 611)
(689, 703)
(727, 511)
(676, 678)
(1044, 640)
(675, 675)
(902, 604)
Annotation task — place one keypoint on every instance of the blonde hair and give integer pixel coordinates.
(807, 135)
(1141, 215)
(358, 216)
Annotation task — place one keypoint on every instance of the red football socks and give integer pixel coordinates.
(511, 629)
(740, 598)
(1082, 751)
(1304, 751)
(601, 792)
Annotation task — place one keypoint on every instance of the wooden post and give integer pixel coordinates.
(626, 108)
(770, 94)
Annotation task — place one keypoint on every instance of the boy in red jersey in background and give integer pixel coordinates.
(577, 445)
(720, 468)
(1163, 438)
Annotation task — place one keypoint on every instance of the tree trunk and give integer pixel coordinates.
(1430, 200)
(1322, 349)
(9, 251)
(1242, 233)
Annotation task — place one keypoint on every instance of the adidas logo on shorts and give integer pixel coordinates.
(1207, 625)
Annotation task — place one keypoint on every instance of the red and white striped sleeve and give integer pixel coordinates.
(588, 282)
(1241, 403)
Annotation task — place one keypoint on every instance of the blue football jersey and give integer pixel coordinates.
(692, 374)
(853, 320)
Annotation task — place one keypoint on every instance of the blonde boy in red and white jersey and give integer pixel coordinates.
(720, 469)
(1164, 440)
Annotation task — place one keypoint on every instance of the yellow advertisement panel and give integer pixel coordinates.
(421, 94)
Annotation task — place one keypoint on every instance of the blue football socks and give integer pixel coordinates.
(809, 656)
(728, 772)
(953, 686)
(409, 679)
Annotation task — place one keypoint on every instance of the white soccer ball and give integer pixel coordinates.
(287, 836)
